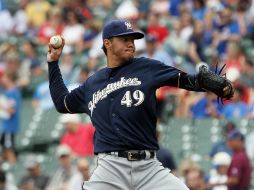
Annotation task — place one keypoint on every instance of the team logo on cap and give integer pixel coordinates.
(128, 25)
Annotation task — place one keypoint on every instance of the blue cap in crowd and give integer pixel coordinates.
(151, 38)
(235, 134)
(120, 28)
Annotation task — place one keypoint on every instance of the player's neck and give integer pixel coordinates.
(113, 61)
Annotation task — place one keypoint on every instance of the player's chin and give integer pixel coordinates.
(129, 54)
(128, 58)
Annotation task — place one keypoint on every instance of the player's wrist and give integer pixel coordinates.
(52, 62)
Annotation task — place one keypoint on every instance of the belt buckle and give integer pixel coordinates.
(130, 158)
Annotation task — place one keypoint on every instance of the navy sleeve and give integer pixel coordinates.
(65, 101)
(164, 75)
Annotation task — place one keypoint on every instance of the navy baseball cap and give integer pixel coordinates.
(120, 28)
(235, 134)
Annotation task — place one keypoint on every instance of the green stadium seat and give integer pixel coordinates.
(187, 138)
(26, 117)
(177, 136)
(206, 133)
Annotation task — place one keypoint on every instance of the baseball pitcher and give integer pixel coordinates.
(121, 101)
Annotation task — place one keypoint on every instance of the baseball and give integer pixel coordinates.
(56, 41)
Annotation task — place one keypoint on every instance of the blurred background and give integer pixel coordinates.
(42, 149)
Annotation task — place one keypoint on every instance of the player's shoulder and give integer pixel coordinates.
(96, 75)
(145, 61)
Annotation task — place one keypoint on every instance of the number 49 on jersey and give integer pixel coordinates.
(133, 99)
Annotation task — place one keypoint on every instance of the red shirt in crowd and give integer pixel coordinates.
(161, 32)
(46, 31)
(240, 167)
(81, 141)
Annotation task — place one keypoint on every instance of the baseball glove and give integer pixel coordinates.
(216, 83)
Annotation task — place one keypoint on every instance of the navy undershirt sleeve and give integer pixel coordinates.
(65, 101)
(189, 82)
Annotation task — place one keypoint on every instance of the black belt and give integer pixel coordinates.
(134, 155)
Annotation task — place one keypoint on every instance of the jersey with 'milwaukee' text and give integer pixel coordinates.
(121, 101)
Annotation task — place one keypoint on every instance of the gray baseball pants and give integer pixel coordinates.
(117, 173)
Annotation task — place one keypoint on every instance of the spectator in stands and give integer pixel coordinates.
(175, 44)
(52, 26)
(199, 9)
(199, 41)
(73, 30)
(93, 27)
(34, 179)
(221, 162)
(10, 126)
(226, 30)
(206, 107)
(81, 176)
(29, 55)
(221, 146)
(233, 74)
(174, 8)
(195, 180)
(186, 21)
(80, 53)
(154, 27)
(4, 184)
(164, 155)
(5, 104)
(234, 57)
(242, 15)
(250, 27)
(78, 136)
(28, 186)
(84, 9)
(67, 64)
(41, 97)
(185, 167)
(7, 23)
(247, 73)
(165, 96)
(160, 6)
(239, 172)
(13, 64)
(36, 12)
(20, 19)
(210, 16)
(61, 178)
(84, 73)
(236, 108)
(153, 50)
(37, 77)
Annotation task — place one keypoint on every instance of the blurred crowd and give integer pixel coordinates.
(182, 33)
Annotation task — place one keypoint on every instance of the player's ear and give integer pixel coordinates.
(107, 43)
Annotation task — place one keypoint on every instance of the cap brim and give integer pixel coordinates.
(136, 35)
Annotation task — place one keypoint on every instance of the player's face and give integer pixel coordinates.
(123, 47)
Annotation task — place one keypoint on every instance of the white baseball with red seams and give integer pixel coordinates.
(56, 41)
